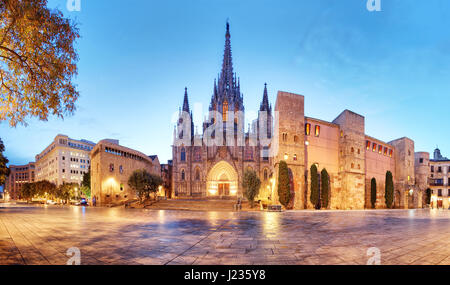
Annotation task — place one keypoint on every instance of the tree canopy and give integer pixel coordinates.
(373, 192)
(314, 195)
(4, 170)
(325, 189)
(251, 184)
(389, 190)
(284, 185)
(144, 183)
(37, 61)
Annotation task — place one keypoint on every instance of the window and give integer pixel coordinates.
(440, 192)
(197, 174)
(295, 157)
(307, 129)
(421, 160)
(224, 111)
(390, 153)
(359, 151)
(284, 137)
(317, 131)
(385, 150)
(183, 175)
(342, 134)
(296, 139)
(368, 145)
(353, 165)
(439, 169)
(265, 175)
(352, 150)
(380, 149)
(111, 167)
(432, 168)
(183, 154)
(359, 166)
(265, 153)
(374, 147)
(121, 169)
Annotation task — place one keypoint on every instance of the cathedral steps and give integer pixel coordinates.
(196, 205)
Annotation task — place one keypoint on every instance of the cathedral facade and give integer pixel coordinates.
(212, 164)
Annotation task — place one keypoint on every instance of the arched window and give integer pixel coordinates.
(224, 111)
(183, 175)
(197, 174)
(183, 154)
(265, 175)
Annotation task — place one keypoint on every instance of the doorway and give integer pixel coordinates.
(224, 189)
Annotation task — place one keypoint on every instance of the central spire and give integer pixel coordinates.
(226, 80)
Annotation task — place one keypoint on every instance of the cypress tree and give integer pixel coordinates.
(428, 196)
(389, 190)
(373, 192)
(284, 186)
(314, 197)
(324, 193)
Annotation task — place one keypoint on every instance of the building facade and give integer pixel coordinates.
(112, 165)
(439, 178)
(342, 147)
(19, 175)
(202, 168)
(64, 160)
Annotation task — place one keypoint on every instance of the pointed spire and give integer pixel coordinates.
(226, 76)
(265, 101)
(185, 101)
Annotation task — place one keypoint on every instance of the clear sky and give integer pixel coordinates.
(136, 57)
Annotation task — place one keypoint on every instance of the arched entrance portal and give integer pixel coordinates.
(222, 180)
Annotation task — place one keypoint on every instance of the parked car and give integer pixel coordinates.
(51, 202)
(83, 202)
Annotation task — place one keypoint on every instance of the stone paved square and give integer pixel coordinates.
(42, 235)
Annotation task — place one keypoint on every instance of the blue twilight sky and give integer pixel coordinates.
(136, 57)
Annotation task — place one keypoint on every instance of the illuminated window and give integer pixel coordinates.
(295, 157)
(307, 129)
(317, 131)
(224, 111)
(342, 134)
(368, 145)
(374, 147)
(380, 149)
(385, 151)
(390, 153)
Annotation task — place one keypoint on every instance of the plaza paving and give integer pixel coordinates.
(42, 235)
